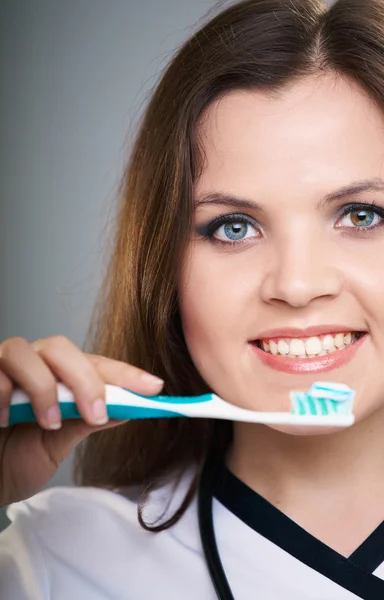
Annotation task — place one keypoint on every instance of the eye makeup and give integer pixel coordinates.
(208, 230)
(359, 212)
(361, 223)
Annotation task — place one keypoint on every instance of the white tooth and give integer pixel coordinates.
(328, 342)
(297, 347)
(282, 347)
(348, 339)
(311, 355)
(313, 345)
(332, 350)
(273, 347)
(322, 353)
(265, 346)
(339, 340)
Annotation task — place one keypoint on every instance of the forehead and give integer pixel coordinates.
(321, 131)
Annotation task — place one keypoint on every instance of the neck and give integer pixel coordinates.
(279, 465)
(331, 484)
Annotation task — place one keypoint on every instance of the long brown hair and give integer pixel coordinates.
(261, 45)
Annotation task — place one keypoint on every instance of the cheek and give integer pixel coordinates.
(202, 309)
(362, 275)
(211, 302)
(214, 294)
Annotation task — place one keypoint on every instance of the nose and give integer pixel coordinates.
(300, 270)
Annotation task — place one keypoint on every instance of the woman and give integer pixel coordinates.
(247, 261)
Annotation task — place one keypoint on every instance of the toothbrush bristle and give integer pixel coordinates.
(305, 404)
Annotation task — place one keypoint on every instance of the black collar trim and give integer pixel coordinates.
(370, 554)
(353, 573)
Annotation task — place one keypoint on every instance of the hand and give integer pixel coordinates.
(30, 453)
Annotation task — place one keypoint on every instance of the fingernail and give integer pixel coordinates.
(100, 412)
(4, 417)
(151, 379)
(53, 417)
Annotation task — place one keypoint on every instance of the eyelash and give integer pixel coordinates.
(208, 231)
(371, 207)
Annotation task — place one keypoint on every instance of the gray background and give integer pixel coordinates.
(74, 77)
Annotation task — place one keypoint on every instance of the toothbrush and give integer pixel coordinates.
(333, 391)
(325, 404)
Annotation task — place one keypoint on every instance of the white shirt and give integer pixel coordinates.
(86, 544)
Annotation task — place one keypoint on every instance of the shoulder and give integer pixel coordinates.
(64, 504)
(59, 516)
(54, 535)
(75, 535)
(60, 510)
(59, 513)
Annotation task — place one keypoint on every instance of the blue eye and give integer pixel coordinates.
(230, 229)
(234, 231)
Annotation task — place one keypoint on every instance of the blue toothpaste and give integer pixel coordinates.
(340, 395)
(332, 391)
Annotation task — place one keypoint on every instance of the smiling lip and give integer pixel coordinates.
(295, 332)
(319, 364)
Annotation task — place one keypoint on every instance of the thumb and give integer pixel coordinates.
(60, 443)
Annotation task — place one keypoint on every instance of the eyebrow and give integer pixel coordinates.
(353, 189)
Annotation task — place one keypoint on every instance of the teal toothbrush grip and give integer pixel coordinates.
(177, 399)
(23, 413)
(121, 404)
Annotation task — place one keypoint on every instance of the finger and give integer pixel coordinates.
(59, 444)
(125, 375)
(24, 367)
(6, 389)
(73, 368)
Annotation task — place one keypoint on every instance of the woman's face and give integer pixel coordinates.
(280, 244)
